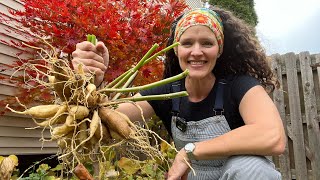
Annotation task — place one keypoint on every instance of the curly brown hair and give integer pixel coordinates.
(242, 52)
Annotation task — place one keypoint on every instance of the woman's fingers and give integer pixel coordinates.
(179, 168)
(88, 62)
(94, 59)
(86, 46)
(103, 50)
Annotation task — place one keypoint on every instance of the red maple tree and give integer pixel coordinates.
(128, 27)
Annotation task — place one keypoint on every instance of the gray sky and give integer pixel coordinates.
(289, 25)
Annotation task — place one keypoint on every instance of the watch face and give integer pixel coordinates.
(189, 147)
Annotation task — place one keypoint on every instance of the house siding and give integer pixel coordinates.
(16, 137)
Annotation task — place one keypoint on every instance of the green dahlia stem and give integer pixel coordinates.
(142, 62)
(155, 97)
(92, 38)
(144, 58)
(148, 86)
(121, 79)
(115, 81)
(125, 85)
(160, 52)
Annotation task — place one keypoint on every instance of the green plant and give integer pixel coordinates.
(44, 172)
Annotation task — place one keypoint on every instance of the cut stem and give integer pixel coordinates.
(126, 85)
(146, 98)
(115, 81)
(131, 71)
(148, 86)
(142, 62)
(156, 97)
(160, 52)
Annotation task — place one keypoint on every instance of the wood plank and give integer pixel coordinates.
(4, 10)
(304, 121)
(311, 112)
(8, 60)
(278, 98)
(7, 81)
(307, 149)
(283, 63)
(27, 151)
(13, 52)
(8, 90)
(2, 97)
(12, 4)
(24, 142)
(313, 63)
(24, 132)
(317, 57)
(13, 121)
(295, 112)
(294, 175)
(5, 5)
(12, 28)
(11, 72)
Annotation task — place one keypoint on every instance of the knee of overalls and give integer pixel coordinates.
(249, 168)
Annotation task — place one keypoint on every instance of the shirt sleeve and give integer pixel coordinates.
(241, 85)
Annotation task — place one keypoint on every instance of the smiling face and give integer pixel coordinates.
(198, 51)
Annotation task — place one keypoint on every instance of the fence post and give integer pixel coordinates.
(311, 113)
(278, 98)
(295, 116)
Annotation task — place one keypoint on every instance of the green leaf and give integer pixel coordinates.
(50, 178)
(1, 158)
(130, 166)
(148, 169)
(57, 168)
(43, 168)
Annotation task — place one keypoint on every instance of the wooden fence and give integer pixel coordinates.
(298, 101)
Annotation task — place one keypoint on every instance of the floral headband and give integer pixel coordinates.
(201, 16)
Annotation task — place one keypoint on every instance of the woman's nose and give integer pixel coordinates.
(196, 50)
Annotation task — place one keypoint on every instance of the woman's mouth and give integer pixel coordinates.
(197, 62)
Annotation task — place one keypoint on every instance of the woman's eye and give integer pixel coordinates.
(186, 43)
(207, 44)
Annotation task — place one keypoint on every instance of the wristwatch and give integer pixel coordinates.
(189, 148)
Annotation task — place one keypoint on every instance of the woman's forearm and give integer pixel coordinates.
(249, 139)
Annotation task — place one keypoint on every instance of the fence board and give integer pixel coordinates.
(311, 112)
(278, 98)
(318, 70)
(296, 120)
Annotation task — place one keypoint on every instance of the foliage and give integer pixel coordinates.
(44, 172)
(124, 168)
(129, 28)
(244, 9)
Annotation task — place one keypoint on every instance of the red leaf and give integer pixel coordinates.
(146, 72)
(129, 28)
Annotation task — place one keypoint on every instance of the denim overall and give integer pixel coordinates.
(244, 167)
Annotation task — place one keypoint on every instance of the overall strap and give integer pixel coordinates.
(176, 87)
(218, 104)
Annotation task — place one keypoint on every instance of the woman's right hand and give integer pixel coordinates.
(95, 58)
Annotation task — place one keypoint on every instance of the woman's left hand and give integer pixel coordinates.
(179, 169)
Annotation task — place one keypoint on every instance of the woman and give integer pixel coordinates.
(228, 123)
